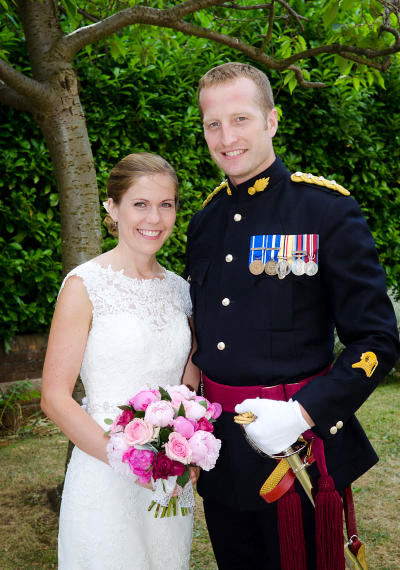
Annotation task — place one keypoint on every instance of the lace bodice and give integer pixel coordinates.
(139, 334)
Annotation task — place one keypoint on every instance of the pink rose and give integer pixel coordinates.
(215, 410)
(205, 449)
(194, 410)
(138, 432)
(182, 390)
(205, 425)
(140, 461)
(184, 426)
(176, 400)
(201, 399)
(159, 413)
(143, 398)
(124, 418)
(177, 448)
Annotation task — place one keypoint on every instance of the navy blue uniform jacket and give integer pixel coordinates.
(282, 330)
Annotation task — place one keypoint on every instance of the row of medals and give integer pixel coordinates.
(283, 267)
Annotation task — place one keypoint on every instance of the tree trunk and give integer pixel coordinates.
(65, 132)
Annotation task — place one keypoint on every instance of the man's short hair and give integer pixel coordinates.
(229, 72)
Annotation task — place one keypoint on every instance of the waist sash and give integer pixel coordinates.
(229, 396)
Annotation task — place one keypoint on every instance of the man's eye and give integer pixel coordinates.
(240, 119)
(213, 125)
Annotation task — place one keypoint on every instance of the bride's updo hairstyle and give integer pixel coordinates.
(128, 170)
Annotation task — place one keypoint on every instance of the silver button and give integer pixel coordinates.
(221, 346)
(333, 430)
(237, 217)
(225, 301)
(228, 258)
(339, 424)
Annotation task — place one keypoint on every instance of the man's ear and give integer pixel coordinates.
(272, 122)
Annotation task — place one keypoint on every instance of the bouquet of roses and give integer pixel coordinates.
(158, 436)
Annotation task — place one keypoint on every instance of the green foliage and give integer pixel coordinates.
(145, 100)
(11, 400)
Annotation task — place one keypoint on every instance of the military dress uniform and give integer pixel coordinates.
(259, 327)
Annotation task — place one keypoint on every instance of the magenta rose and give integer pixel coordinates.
(164, 467)
(205, 449)
(184, 426)
(138, 432)
(177, 448)
(124, 418)
(205, 425)
(144, 398)
(159, 413)
(140, 461)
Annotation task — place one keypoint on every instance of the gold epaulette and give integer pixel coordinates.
(223, 185)
(319, 181)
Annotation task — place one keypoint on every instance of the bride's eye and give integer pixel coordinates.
(139, 204)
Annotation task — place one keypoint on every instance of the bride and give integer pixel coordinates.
(121, 322)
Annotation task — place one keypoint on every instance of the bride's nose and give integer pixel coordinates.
(153, 215)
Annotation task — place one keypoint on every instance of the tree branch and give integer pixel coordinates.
(13, 99)
(23, 85)
(173, 18)
(72, 43)
(301, 81)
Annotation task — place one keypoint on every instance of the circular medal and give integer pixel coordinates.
(271, 267)
(298, 267)
(311, 268)
(256, 267)
(283, 268)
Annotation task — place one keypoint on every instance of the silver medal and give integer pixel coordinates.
(311, 268)
(298, 267)
(283, 268)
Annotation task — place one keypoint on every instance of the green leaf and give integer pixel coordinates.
(124, 407)
(184, 478)
(108, 421)
(139, 414)
(329, 13)
(202, 403)
(164, 435)
(181, 411)
(164, 394)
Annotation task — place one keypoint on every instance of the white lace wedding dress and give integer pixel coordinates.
(139, 335)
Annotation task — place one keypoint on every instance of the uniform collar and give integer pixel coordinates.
(259, 184)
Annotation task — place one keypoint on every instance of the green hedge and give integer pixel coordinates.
(148, 102)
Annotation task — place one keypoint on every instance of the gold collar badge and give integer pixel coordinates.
(368, 362)
(259, 186)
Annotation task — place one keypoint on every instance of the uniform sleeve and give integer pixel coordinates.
(355, 288)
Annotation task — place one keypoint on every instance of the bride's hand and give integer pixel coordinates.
(145, 485)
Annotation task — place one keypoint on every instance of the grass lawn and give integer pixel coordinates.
(33, 465)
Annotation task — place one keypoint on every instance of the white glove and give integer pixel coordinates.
(278, 424)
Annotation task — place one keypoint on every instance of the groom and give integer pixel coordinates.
(276, 262)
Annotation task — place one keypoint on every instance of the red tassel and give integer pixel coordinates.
(329, 526)
(291, 534)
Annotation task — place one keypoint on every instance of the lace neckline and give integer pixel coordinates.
(121, 273)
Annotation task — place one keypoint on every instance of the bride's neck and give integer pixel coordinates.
(135, 265)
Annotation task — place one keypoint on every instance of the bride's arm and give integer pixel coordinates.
(66, 346)
(191, 374)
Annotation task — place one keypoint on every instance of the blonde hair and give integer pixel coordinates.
(228, 72)
(128, 170)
